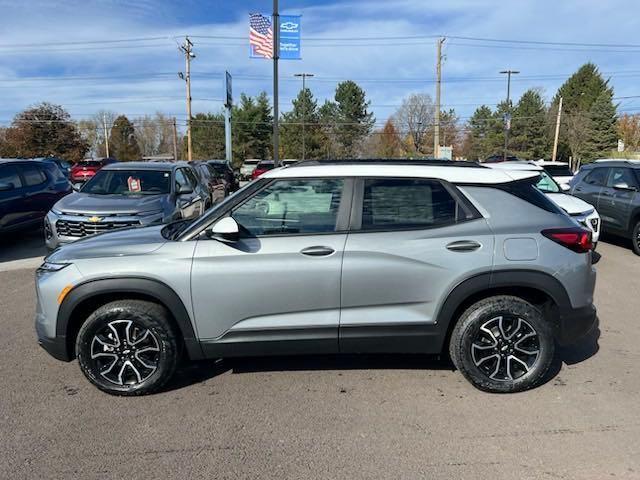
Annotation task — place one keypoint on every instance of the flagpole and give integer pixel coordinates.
(276, 54)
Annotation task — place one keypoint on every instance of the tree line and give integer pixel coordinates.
(343, 127)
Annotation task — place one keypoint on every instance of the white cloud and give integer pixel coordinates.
(67, 21)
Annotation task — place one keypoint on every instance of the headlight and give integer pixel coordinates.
(51, 267)
(56, 212)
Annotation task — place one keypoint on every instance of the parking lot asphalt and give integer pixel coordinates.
(329, 417)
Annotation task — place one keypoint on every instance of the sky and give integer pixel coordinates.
(55, 51)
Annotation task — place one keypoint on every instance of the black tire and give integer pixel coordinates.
(475, 344)
(144, 352)
(635, 238)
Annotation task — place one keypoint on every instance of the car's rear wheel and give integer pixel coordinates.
(635, 238)
(502, 344)
(128, 347)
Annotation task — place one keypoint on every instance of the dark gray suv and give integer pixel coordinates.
(128, 194)
(612, 187)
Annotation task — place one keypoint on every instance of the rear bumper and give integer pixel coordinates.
(575, 323)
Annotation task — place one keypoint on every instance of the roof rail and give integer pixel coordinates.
(622, 160)
(439, 162)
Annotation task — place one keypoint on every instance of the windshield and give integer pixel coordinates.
(547, 184)
(129, 182)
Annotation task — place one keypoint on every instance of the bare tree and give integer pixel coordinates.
(154, 134)
(415, 118)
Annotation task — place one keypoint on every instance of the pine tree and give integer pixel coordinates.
(602, 132)
(530, 139)
(579, 93)
(305, 110)
(122, 141)
(353, 121)
(252, 126)
(208, 136)
(481, 138)
(389, 143)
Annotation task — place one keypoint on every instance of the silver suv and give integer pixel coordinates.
(318, 258)
(127, 194)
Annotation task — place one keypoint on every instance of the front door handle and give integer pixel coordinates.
(463, 246)
(317, 251)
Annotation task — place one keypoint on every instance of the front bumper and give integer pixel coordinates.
(575, 323)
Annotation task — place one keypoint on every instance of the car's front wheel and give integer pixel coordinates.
(502, 344)
(128, 347)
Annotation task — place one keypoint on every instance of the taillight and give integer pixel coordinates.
(576, 239)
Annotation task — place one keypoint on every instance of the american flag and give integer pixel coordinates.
(260, 35)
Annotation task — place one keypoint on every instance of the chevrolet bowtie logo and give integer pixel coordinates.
(94, 219)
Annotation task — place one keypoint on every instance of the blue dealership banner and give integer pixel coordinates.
(290, 37)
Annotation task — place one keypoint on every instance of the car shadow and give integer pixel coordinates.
(582, 350)
(617, 241)
(22, 245)
(190, 373)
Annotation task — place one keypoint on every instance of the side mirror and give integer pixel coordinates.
(564, 187)
(6, 187)
(226, 230)
(624, 186)
(184, 190)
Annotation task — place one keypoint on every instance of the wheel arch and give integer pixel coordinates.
(634, 218)
(87, 297)
(538, 288)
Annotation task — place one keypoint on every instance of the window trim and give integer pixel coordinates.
(355, 224)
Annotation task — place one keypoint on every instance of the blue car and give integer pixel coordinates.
(28, 190)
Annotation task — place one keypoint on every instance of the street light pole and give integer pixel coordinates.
(507, 123)
(304, 112)
(276, 56)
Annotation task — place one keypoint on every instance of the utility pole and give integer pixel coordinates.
(555, 139)
(436, 132)
(175, 139)
(106, 134)
(507, 123)
(276, 54)
(187, 48)
(304, 113)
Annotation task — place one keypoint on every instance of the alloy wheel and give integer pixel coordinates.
(125, 352)
(505, 348)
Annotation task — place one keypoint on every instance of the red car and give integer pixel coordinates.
(86, 169)
(263, 167)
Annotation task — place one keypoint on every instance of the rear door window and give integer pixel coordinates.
(405, 203)
(597, 178)
(9, 176)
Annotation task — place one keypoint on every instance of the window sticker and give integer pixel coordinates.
(134, 184)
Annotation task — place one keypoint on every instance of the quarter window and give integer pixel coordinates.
(400, 204)
(306, 206)
(33, 175)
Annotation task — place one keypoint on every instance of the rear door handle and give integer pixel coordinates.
(317, 251)
(463, 246)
